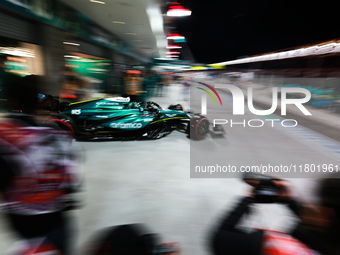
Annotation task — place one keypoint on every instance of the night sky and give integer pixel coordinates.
(221, 30)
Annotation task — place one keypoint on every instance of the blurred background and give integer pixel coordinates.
(158, 50)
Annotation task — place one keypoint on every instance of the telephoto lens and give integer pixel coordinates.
(266, 192)
(265, 189)
(165, 249)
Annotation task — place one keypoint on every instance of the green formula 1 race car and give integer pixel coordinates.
(117, 118)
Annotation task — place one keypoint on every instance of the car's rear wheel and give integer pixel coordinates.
(62, 124)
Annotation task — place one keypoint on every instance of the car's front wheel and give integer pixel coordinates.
(199, 128)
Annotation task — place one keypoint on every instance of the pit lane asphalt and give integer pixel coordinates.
(149, 181)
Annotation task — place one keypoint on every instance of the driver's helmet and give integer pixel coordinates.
(278, 243)
(177, 107)
(133, 105)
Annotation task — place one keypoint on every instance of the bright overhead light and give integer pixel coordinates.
(96, 1)
(173, 52)
(326, 48)
(177, 10)
(19, 52)
(171, 56)
(130, 33)
(118, 22)
(71, 43)
(167, 58)
(70, 56)
(175, 36)
(178, 13)
(173, 47)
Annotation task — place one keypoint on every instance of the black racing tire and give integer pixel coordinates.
(199, 128)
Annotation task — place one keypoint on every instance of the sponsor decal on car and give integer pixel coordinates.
(119, 99)
(106, 103)
(76, 111)
(170, 115)
(100, 116)
(126, 125)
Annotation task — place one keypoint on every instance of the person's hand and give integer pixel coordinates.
(253, 183)
(285, 188)
(173, 246)
(251, 193)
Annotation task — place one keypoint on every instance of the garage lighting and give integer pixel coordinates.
(326, 48)
(18, 52)
(166, 58)
(175, 36)
(173, 47)
(98, 2)
(118, 22)
(173, 52)
(177, 10)
(15, 59)
(70, 56)
(310, 51)
(301, 52)
(336, 48)
(71, 43)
